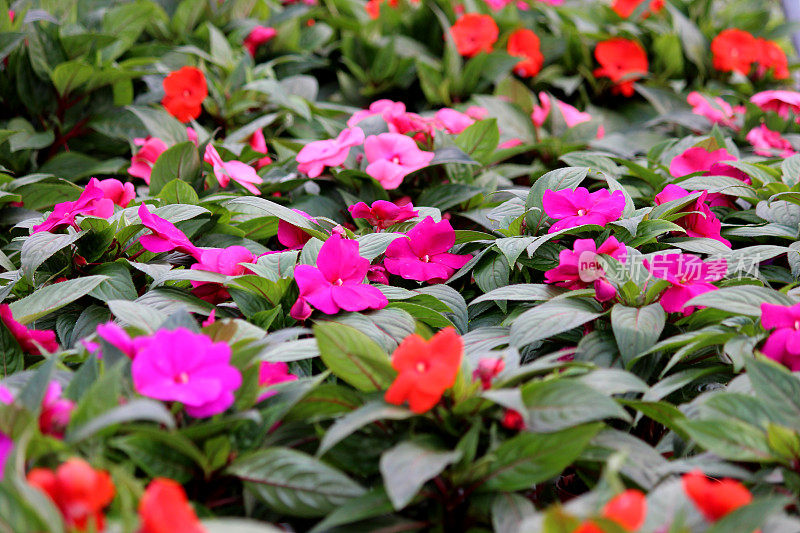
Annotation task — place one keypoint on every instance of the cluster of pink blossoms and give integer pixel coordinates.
(97, 200)
(572, 208)
(699, 221)
(393, 155)
(710, 163)
(579, 268)
(571, 115)
(145, 158)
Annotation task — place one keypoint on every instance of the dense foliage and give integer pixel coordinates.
(399, 266)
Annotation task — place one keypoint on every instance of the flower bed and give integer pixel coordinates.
(399, 266)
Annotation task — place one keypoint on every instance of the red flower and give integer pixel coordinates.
(525, 44)
(426, 369)
(474, 33)
(28, 339)
(79, 491)
(628, 509)
(165, 509)
(771, 56)
(622, 61)
(625, 8)
(715, 498)
(185, 91)
(513, 420)
(734, 51)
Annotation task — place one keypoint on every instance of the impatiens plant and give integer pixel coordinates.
(400, 265)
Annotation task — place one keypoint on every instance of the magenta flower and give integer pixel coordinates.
(488, 369)
(452, 121)
(781, 102)
(477, 112)
(392, 156)
(382, 214)
(422, 255)
(6, 444)
(116, 191)
(259, 144)
(165, 237)
(783, 345)
(223, 261)
(716, 110)
(290, 235)
(698, 159)
(92, 202)
(688, 276)
(397, 119)
(31, 341)
(579, 268)
(271, 374)
(769, 143)
(377, 274)
(576, 208)
(701, 221)
(315, 156)
(116, 336)
(187, 367)
(258, 36)
(225, 171)
(142, 161)
(192, 135)
(336, 282)
(56, 411)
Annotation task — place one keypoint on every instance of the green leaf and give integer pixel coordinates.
(178, 192)
(509, 511)
(750, 517)
(530, 458)
(552, 318)
(259, 206)
(555, 180)
(353, 357)
(741, 300)
(118, 286)
(637, 329)
(777, 387)
(52, 297)
(238, 525)
(293, 483)
(137, 409)
(557, 404)
(480, 139)
(361, 417)
(39, 247)
(160, 124)
(407, 466)
(730, 439)
(180, 162)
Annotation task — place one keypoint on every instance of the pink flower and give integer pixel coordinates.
(716, 110)
(579, 268)
(422, 254)
(698, 159)
(116, 336)
(241, 173)
(142, 161)
(395, 116)
(377, 274)
(271, 374)
(383, 214)
(210, 320)
(572, 117)
(452, 121)
(5, 396)
(315, 156)
(488, 369)
(223, 261)
(688, 276)
(336, 282)
(6, 443)
(29, 340)
(701, 222)
(258, 36)
(56, 411)
(392, 156)
(192, 135)
(92, 202)
(259, 144)
(165, 237)
(477, 112)
(187, 367)
(769, 143)
(118, 192)
(579, 207)
(511, 143)
(781, 102)
(291, 236)
(783, 345)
